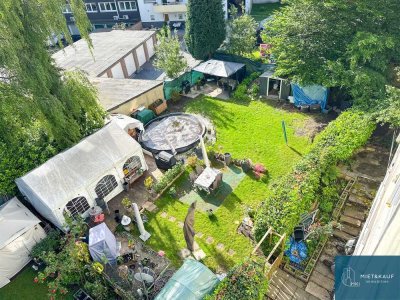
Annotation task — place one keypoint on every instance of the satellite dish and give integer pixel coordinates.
(145, 275)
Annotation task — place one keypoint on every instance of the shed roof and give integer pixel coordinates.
(115, 92)
(108, 48)
(218, 68)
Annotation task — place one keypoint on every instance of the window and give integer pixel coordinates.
(127, 5)
(152, 17)
(107, 6)
(67, 9)
(131, 165)
(105, 186)
(77, 206)
(180, 16)
(91, 7)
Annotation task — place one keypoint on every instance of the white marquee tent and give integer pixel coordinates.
(381, 232)
(19, 232)
(72, 180)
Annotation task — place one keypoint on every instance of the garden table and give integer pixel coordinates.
(206, 179)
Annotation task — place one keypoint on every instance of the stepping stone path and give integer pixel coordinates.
(231, 252)
(180, 224)
(220, 247)
(164, 214)
(199, 235)
(149, 206)
(210, 240)
(172, 219)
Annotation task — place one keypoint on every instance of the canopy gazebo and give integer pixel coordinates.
(225, 72)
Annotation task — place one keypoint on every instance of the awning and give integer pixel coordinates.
(218, 68)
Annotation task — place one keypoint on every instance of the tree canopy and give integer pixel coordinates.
(41, 110)
(241, 34)
(169, 57)
(354, 45)
(205, 27)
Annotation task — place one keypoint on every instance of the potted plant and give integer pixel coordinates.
(158, 106)
(198, 84)
(175, 96)
(148, 182)
(127, 204)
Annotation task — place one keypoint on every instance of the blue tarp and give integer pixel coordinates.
(193, 281)
(297, 251)
(310, 95)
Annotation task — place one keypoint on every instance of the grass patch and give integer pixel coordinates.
(23, 287)
(247, 131)
(261, 11)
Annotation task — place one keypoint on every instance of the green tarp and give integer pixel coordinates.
(176, 84)
(145, 116)
(193, 281)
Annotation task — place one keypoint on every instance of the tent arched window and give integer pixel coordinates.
(131, 165)
(77, 206)
(105, 186)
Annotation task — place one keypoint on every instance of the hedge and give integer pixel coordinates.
(295, 193)
(245, 281)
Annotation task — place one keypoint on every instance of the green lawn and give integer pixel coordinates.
(252, 131)
(23, 287)
(261, 11)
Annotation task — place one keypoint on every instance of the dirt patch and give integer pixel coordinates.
(310, 128)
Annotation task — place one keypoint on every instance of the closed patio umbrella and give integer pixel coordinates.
(188, 227)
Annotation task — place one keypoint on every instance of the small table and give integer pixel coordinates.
(206, 179)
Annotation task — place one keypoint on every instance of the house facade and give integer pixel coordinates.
(105, 14)
(154, 13)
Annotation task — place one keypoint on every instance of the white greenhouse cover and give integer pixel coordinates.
(218, 68)
(102, 243)
(126, 122)
(19, 232)
(381, 232)
(50, 186)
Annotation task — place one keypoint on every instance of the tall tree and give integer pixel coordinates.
(350, 44)
(169, 56)
(241, 34)
(38, 104)
(205, 27)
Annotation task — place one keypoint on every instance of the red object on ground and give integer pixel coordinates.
(99, 218)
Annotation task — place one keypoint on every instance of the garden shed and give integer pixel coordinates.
(19, 232)
(222, 69)
(193, 281)
(72, 181)
(274, 87)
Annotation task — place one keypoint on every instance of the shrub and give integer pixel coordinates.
(168, 177)
(245, 281)
(295, 192)
(192, 161)
(175, 96)
(50, 243)
(241, 92)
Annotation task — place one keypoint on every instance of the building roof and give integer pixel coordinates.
(115, 92)
(218, 68)
(108, 48)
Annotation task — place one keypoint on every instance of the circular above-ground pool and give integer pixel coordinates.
(177, 131)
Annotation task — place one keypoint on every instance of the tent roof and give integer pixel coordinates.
(193, 281)
(15, 220)
(126, 122)
(63, 175)
(218, 68)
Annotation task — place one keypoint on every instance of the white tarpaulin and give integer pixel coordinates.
(19, 232)
(76, 172)
(102, 244)
(381, 232)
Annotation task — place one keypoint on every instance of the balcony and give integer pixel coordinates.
(170, 6)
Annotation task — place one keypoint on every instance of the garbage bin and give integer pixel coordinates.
(228, 159)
